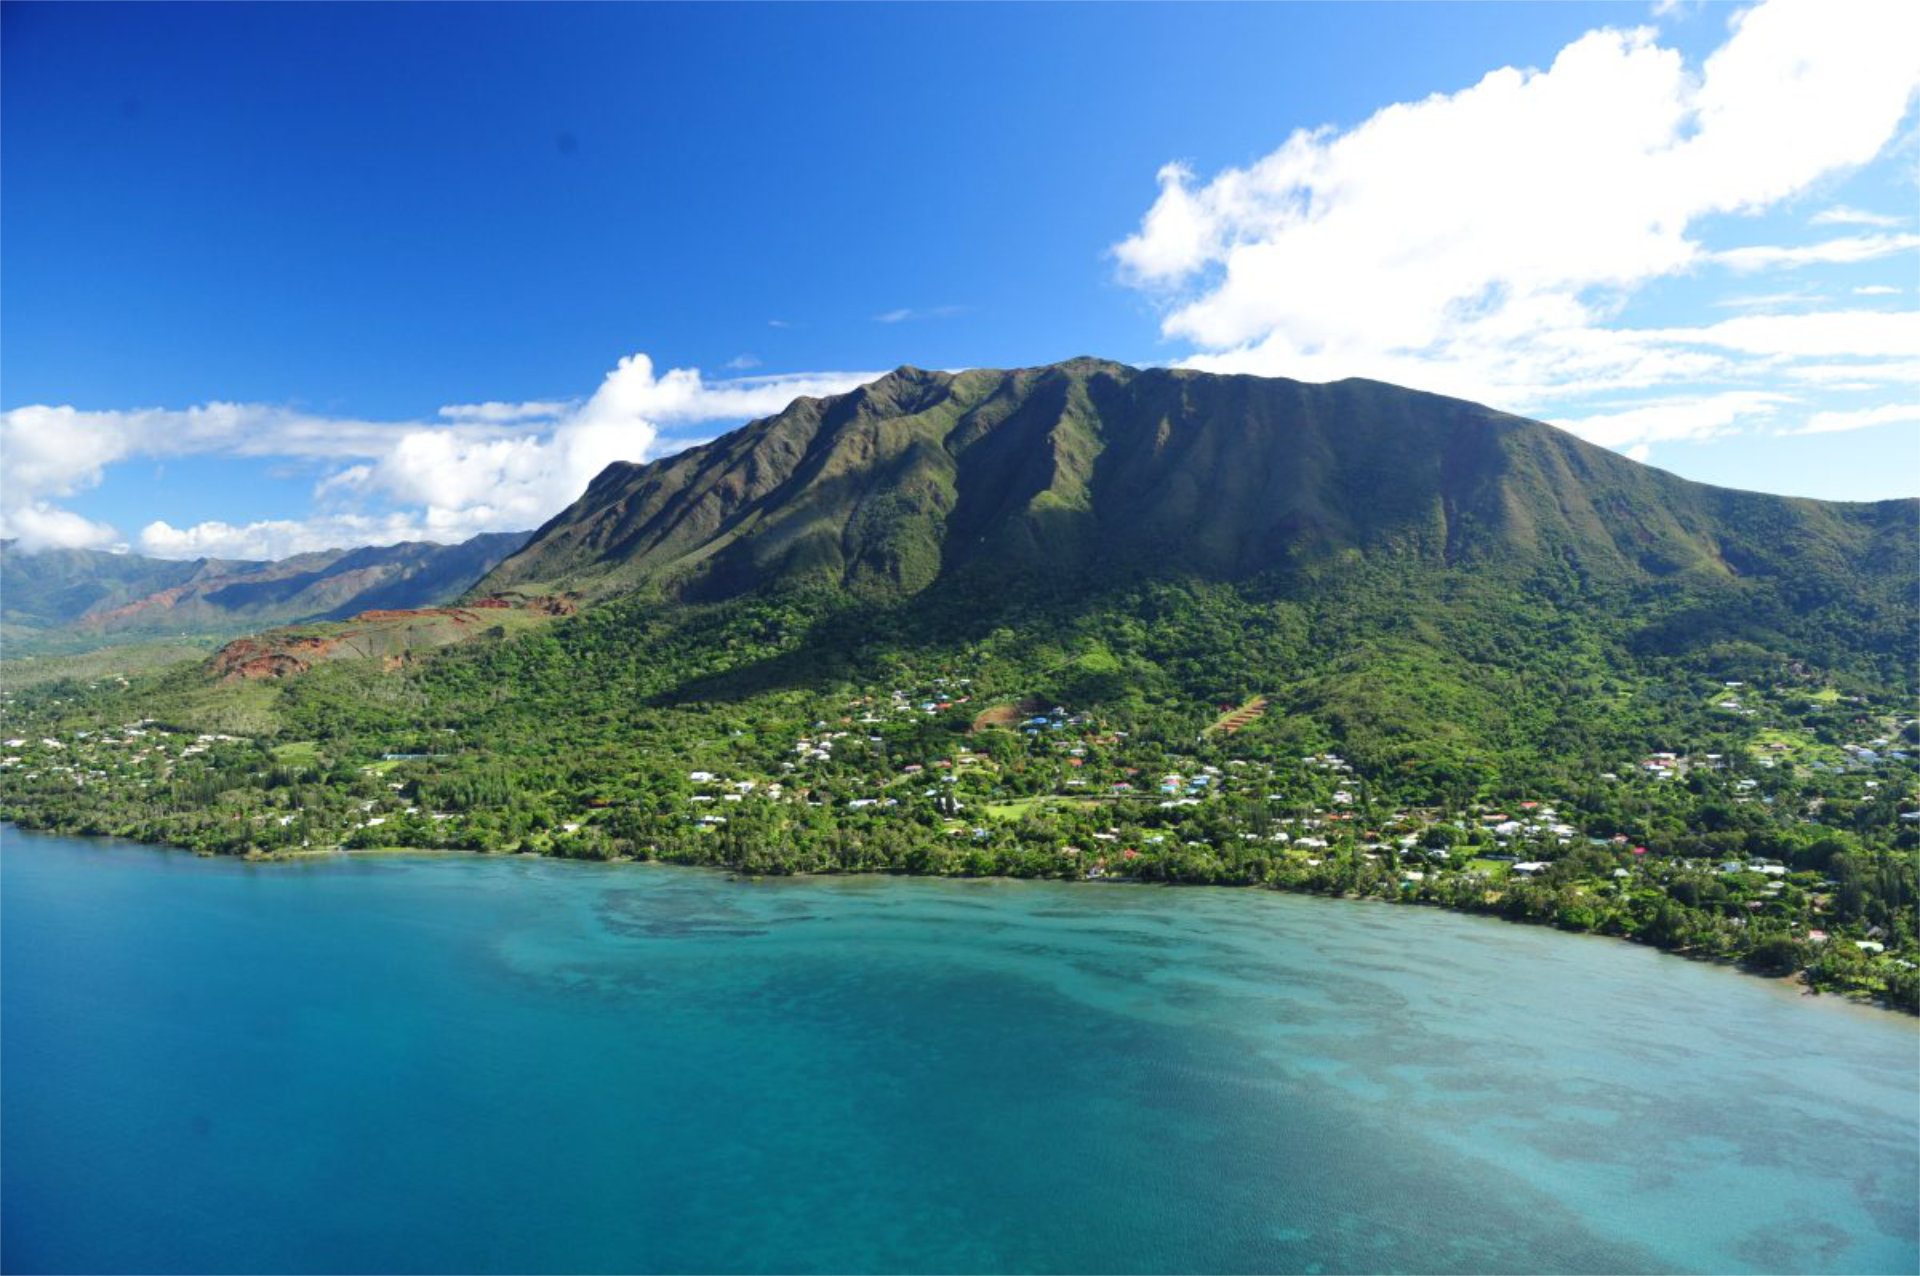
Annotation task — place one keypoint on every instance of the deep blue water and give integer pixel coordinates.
(466, 1064)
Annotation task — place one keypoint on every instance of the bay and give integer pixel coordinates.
(489, 1064)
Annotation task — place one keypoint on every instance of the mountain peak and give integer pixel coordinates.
(1089, 469)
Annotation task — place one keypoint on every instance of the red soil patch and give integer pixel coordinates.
(1242, 717)
(245, 659)
(1007, 715)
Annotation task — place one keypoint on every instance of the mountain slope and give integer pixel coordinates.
(80, 597)
(1094, 471)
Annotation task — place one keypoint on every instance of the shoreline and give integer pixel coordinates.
(1794, 984)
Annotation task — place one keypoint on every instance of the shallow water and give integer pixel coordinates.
(467, 1064)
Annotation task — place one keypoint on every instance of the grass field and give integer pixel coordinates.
(1801, 748)
(1018, 807)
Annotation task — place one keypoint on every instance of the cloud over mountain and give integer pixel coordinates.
(482, 467)
(1485, 242)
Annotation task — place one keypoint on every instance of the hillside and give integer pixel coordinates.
(1090, 471)
(73, 599)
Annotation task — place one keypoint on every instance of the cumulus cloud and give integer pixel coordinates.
(1485, 242)
(277, 538)
(38, 525)
(489, 466)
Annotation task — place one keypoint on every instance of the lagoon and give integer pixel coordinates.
(506, 1064)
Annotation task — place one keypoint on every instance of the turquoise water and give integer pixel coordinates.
(465, 1064)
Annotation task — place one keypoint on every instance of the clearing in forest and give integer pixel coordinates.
(1008, 715)
(1235, 719)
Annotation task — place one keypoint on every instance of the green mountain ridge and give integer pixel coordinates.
(1091, 470)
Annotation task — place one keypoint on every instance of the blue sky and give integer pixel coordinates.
(279, 277)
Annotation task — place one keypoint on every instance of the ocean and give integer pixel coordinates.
(468, 1064)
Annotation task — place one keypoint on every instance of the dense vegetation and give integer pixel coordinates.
(1090, 623)
(1398, 720)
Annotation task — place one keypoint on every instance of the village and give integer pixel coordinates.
(1025, 788)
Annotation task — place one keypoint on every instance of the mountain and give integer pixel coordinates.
(77, 597)
(1089, 471)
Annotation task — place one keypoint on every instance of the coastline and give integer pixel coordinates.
(1794, 984)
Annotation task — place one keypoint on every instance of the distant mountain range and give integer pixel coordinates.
(80, 597)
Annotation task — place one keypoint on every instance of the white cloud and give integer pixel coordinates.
(1684, 419)
(1868, 374)
(1485, 242)
(40, 525)
(1767, 300)
(1854, 248)
(491, 466)
(503, 412)
(1860, 419)
(278, 538)
(1821, 335)
(1876, 290)
(905, 313)
(1841, 215)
